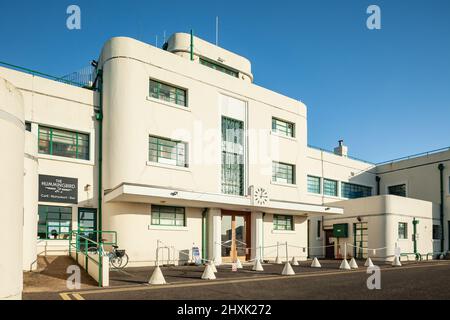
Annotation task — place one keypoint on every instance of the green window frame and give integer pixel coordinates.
(314, 184)
(219, 67)
(63, 143)
(403, 230)
(330, 187)
(167, 92)
(397, 190)
(282, 127)
(353, 191)
(166, 151)
(232, 156)
(168, 216)
(54, 222)
(283, 173)
(283, 222)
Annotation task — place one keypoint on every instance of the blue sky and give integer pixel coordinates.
(385, 92)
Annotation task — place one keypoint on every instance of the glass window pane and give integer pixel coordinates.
(314, 184)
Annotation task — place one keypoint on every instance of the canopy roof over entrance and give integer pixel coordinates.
(156, 195)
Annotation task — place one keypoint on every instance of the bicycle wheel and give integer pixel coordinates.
(124, 261)
(115, 262)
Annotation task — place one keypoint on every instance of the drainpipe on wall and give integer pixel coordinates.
(378, 179)
(99, 118)
(192, 45)
(204, 233)
(441, 171)
(415, 222)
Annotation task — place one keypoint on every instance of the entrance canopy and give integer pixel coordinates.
(156, 195)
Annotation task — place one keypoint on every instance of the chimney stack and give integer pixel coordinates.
(341, 150)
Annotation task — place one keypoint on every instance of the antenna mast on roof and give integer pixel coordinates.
(217, 30)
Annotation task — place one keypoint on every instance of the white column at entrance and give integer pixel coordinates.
(215, 235)
(256, 224)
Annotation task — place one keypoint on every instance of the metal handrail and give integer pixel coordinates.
(417, 155)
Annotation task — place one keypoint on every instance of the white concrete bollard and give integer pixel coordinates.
(344, 265)
(238, 264)
(294, 261)
(315, 263)
(208, 274)
(369, 263)
(287, 270)
(353, 264)
(157, 277)
(396, 262)
(257, 266)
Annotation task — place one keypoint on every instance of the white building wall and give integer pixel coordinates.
(12, 141)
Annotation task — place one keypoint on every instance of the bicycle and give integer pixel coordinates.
(118, 259)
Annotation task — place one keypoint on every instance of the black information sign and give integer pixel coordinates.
(58, 189)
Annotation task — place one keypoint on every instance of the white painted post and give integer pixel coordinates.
(157, 253)
(287, 255)
(345, 250)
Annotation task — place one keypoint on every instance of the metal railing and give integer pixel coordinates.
(83, 78)
(80, 241)
(329, 151)
(417, 155)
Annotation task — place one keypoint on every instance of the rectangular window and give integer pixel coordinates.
(166, 92)
(63, 143)
(436, 232)
(398, 190)
(319, 228)
(168, 216)
(54, 223)
(167, 151)
(283, 127)
(330, 187)
(313, 184)
(28, 126)
(283, 173)
(232, 156)
(353, 191)
(402, 230)
(219, 67)
(282, 222)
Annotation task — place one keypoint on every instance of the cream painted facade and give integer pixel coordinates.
(266, 211)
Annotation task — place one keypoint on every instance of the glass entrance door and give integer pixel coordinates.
(87, 222)
(235, 237)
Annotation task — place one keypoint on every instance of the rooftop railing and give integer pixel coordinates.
(417, 155)
(83, 78)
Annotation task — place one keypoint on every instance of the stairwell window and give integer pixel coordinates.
(167, 92)
(166, 151)
(402, 230)
(282, 127)
(283, 173)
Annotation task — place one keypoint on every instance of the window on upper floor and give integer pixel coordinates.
(28, 126)
(63, 143)
(219, 67)
(283, 222)
(282, 127)
(353, 191)
(167, 151)
(168, 216)
(167, 92)
(283, 173)
(330, 187)
(402, 230)
(398, 190)
(313, 184)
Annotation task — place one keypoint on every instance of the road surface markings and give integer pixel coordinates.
(78, 295)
